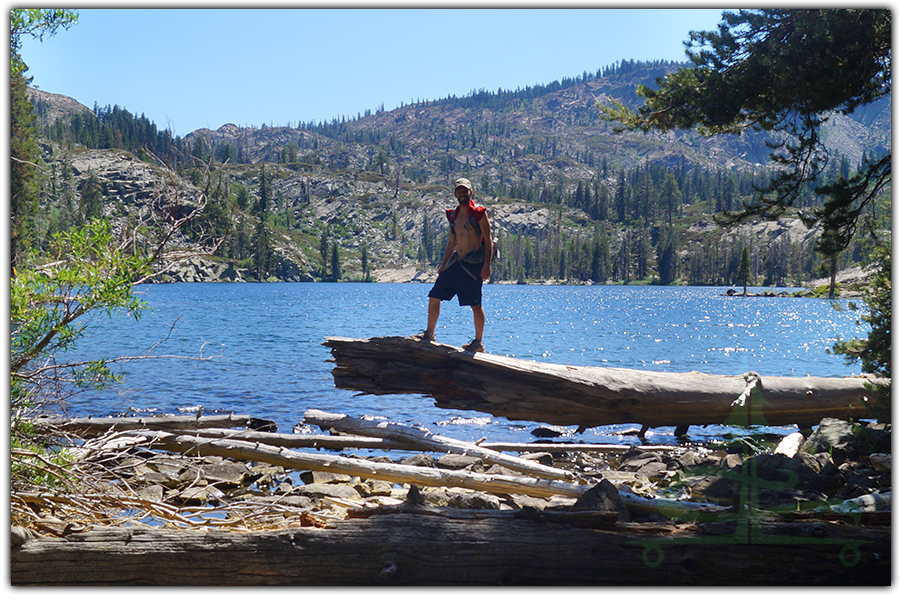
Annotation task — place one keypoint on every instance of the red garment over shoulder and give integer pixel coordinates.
(476, 212)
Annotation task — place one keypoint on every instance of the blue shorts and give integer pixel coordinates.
(455, 280)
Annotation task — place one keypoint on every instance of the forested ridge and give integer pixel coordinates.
(571, 199)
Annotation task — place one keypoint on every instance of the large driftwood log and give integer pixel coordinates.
(410, 549)
(428, 441)
(587, 396)
(96, 426)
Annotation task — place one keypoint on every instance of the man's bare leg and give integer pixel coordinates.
(478, 313)
(434, 311)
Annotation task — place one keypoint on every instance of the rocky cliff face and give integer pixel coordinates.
(49, 107)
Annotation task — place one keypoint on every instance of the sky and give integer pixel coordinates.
(187, 69)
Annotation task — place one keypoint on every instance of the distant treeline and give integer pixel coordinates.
(115, 127)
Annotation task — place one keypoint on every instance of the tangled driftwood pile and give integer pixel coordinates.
(171, 502)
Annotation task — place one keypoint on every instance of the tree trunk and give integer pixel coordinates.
(413, 549)
(588, 396)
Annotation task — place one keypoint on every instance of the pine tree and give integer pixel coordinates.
(666, 254)
(364, 259)
(261, 260)
(336, 273)
(323, 251)
(786, 72)
(744, 275)
(261, 206)
(24, 175)
(91, 198)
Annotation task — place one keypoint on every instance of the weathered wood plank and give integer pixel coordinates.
(587, 396)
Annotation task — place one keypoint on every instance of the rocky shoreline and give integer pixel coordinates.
(819, 505)
(851, 282)
(841, 468)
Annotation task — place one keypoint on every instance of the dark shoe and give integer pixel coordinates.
(474, 346)
(424, 336)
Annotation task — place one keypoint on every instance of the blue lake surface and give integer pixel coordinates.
(269, 361)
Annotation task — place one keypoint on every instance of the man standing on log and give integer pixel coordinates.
(466, 264)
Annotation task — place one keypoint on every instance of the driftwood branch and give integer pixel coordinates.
(753, 382)
(307, 441)
(587, 396)
(430, 442)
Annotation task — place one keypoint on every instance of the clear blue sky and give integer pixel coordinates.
(189, 69)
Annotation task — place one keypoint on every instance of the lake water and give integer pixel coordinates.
(269, 361)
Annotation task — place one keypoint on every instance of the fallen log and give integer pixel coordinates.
(427, 441)
(416, 549)
(588, 396)
(95, 426)
(571, 447)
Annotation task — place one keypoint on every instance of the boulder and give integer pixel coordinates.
(452, 461)
(651, 465)
(603, 497)
(881, 462)
(311, 477)
(710, 488)
(460, 498)
(228, 474)
(803, 472)
(373, 488)
(419, 459)
(199, 495)
(152, 493)
(731, 461)
(833, 436)
(327, 490)
(541, 457)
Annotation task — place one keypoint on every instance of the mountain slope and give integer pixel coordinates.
(542, 160)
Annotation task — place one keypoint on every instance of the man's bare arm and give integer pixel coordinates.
(451, 246)
(488, 246)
